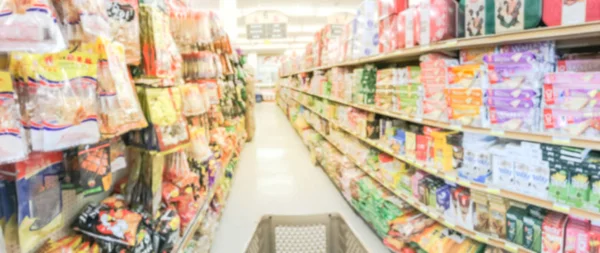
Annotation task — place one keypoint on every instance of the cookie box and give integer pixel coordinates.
(435, 110)
(468, 115)
(475, 55)
(479, 17)
(585, 65)
(407, 23)
(545, 51)
(576, 123)
(503, 165)
(515, 75)
(553, 233)
(438, 20)
(515, 15)
(532, 233)
(390, 7)
(556, 12)
(434, 92)
(513, 102)
(410, 75)
(519, 93)
(571, 96)
(514, 224)
(514, 119)
(466, 76)
(579, 188)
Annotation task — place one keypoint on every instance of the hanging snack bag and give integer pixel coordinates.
(109, 225)
(94, 168)
(8, 205)
(67, 98)
(168, 229)
(155, 39)
(125, 27)
(13, 145)
(39, 198)
(83, 20)
(192, 100)
(117, 154)
(29, 26)
(119, 107)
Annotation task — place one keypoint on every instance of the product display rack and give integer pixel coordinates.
(452, 177)
(580, 35)
(574, 141)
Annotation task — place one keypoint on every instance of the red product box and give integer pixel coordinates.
(422, 147)
(390, 7)
(388, 38)
(407, 24)
(436, 20)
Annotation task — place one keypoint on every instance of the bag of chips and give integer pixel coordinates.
(13, 144)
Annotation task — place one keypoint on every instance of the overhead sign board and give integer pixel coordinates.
(266, 25)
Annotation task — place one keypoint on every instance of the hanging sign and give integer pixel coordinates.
(266, 25)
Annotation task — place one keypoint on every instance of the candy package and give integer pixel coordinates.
(13, 139)
(160, 138)
(123, 16)
(168, 229)
(66, 95)
(29, 26)
(39, 198)
(158, 57)
(119, 107)
(160, 105)
(201, 65)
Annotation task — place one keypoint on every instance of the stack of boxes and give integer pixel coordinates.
(386, 81)
(388, 23)
(365, 31)
(364, 82)
(434, 78)
(408, 92)
(465, 95)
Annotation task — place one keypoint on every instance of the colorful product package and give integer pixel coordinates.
(475, 55)
(160, 105)
(466, 76)
(160, 138)
(556, 13)
(468, 115)
(514, 119)
(8, 198)
(578, 65)
(119, 108)
(498, 221)
(193, 102)
(39, 198)
(571, 96)
(117, 155)
(37, 18)
(553, 233)
(388, 38)
(532, 233)
(479, 17)
(125, 27)
(545, 51)
(160, 58)
(390, 7)
(576, 123)
(95, 175)
(407, 23)
(525, 15)
(481, 212)
(13, 139)
(438, 20)
(514, 224)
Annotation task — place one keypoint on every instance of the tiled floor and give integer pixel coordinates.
(275, 176)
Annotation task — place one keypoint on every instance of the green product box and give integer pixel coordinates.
(558, 187)
(514, 224)
(532, 233)
(579, 188)
(594, 198)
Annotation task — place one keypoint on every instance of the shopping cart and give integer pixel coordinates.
(326, 233)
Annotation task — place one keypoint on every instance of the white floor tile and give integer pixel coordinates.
(275, 176)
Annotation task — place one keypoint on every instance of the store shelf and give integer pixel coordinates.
(452, 177)
(572, 35)
(483, 238)
(197, 222)
(573, 141)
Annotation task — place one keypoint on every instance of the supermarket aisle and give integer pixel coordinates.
(275, 176)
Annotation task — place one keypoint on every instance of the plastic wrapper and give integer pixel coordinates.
(83, 20)
(468, 115)
(13, 138)
(168, 229)
(95, 175)
(39, 198)
(110, 225)
(177, 170)
(158, 59)
(159, 138)
(119, 108)
(117, 154)
(545, 51)
(8, 207)
(572, 96)
(29, 26)
(160, 105)
(124, 24)
(66, 95)
(515, 118)
(190, 27)
(437, 20)
(200, 65)
(578, 65)
(193, 100)
(66, 244)
(466, 76)
(582, 123)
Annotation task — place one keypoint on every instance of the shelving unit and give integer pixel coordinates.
(586, 34)
(452, 177)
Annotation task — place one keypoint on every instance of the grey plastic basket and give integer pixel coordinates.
(325, 233)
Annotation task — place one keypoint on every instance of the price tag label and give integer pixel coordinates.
(449, 225)
(481, 238)
(456, 127)
(464, 182)
(451, 42)
(497, 132)
(561, 140)
(449, 178)
(511, 247)
(493, 190)
(561, 208)
(419, 120)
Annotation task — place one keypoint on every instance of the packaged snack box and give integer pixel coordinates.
(479, 17)
(514, 224)
(555, 13)
(438, 20)
(513, 16)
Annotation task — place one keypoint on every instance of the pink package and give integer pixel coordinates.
(390, 7)
(438, 20)
(570, 77)
(558, 12)
(434, 92)
(388, 38)
(434, 62)
(415, 179)
(587, 65)
(407, 22)
(513, 93)
(576, 123)
(514, 119)
(435, 110)
(577, 236)
(572, 96)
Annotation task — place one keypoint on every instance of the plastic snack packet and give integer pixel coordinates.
(83, 20)
(125, 27)
(193, 100)
(13, 146)
(120, 110)
(66, 96)
(29, 26)
(118, 226)
(94, 168)
(39, 193)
